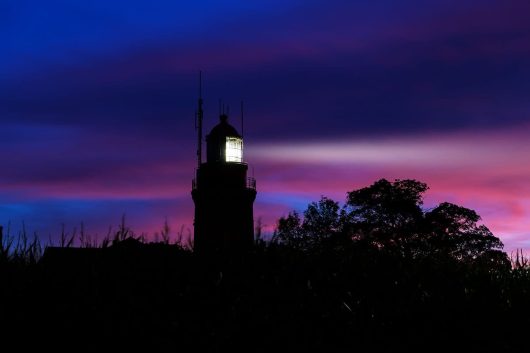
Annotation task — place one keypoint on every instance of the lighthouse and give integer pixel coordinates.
(222, 192)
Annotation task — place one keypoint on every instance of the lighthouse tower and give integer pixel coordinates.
(222, 192)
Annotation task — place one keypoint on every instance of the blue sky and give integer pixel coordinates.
(97, 102)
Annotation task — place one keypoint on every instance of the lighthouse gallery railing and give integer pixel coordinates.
(249, 184)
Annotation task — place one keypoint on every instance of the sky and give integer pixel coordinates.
(97, 102)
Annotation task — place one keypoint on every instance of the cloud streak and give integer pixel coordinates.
(97, 103)
(483, 170)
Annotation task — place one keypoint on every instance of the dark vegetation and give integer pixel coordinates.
(379, 274)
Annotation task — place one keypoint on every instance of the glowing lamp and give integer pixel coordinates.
(234, 149)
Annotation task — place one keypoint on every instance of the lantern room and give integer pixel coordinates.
(224, 144)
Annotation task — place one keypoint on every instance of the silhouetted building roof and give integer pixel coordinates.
(121, 253)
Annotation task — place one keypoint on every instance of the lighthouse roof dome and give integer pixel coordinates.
(223, 129)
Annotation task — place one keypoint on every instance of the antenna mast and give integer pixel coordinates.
(199, 124)
(242, 119)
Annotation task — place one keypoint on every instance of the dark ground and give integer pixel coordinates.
(162, 298)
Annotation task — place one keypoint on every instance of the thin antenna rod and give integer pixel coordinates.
(199, 123)
(242, 132)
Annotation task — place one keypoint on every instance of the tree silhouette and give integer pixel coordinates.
(321, 221)
(389, 215)
(386, 213)
(454, 229)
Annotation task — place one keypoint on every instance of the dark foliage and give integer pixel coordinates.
(380, 274)
(389, 216)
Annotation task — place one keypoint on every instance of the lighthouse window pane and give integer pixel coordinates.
(234, 149)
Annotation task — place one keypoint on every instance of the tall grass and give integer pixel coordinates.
(21, 248)
(28, 249)
(520, 260)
